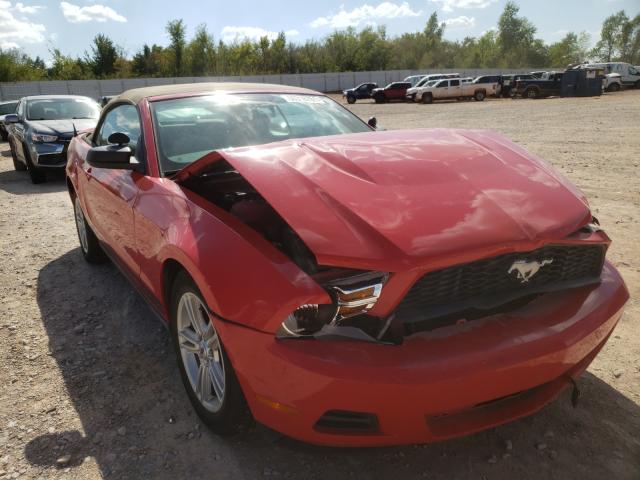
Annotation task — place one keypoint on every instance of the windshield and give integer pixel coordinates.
(62, 108)
(6, 108)
(189, 128)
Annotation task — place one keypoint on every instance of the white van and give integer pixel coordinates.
(629, 74)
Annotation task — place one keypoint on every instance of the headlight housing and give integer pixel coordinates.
(352, 297)
(43, 137)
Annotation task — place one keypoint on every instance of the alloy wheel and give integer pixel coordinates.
(200, 352)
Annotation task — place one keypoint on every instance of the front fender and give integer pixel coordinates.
(242, 277)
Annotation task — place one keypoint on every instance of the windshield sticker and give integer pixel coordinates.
(303, 98)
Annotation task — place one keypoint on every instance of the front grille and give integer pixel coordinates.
(486, 284)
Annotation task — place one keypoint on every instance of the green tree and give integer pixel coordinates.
(64, 67)
(148, 61)
(201, 53)
(177, 34)
(573, 48)
(607, 48)
(103, 56)
(515, 37)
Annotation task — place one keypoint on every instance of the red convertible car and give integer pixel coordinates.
(343, 285)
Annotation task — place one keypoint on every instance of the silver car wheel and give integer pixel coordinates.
(200, 352)
(81, 226)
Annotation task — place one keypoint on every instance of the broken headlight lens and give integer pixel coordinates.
(306, 320)
(352, 296)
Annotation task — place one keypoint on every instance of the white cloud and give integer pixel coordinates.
(92, 13)
(8, 45)
(460, 22)
(366, 14)
(22, 8)
(451, 5)
(14, 31)
(232, 33)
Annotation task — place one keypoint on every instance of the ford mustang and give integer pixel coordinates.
(342, 285)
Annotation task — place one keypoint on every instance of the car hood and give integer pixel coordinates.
(402, 199)
(62, 127)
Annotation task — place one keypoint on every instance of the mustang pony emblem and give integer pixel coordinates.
(525, 270)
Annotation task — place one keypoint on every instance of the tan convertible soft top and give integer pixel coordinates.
(137, 94)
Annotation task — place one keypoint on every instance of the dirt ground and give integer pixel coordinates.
(90, 389)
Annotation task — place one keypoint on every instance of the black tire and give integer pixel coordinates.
(17, 164)
(5, 136)
(379, 99)
(91, 248)
(427, 98)
(531, 93)
(637, 84)
(351, 99)
(37, 175)
(233, 412)
(614, 87)
(479, 96)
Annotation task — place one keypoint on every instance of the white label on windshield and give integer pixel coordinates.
(303, 98)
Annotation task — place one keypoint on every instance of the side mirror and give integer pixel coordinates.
(117, 155)
(11, 118)
(372, 122)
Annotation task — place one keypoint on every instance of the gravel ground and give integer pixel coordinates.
(90, 388)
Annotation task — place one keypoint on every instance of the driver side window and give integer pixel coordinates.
(123, 119)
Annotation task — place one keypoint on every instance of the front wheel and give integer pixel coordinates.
(89, 244)
(427, 98)
(351, 99)
(531, 93)
(614, 87)
(207, 373)
(479, 96)
(17, 164)
(35, 174)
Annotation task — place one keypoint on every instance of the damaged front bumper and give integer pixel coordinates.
(445, 383)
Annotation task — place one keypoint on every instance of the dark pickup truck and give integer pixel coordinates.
(549, 85)
(361, 91)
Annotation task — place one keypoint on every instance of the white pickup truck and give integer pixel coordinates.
(454, 88)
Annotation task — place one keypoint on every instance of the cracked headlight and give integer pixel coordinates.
(352, 296)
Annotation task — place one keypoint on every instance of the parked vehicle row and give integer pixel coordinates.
(537, 84)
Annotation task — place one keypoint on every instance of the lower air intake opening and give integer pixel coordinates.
(342, 422)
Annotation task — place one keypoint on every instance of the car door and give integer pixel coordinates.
(109, 194)
(455, 90)
(442, 89)
(362, 91)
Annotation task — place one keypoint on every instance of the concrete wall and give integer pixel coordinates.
(323, 82)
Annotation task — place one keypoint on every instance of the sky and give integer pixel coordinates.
(38, 26)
